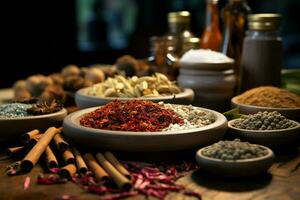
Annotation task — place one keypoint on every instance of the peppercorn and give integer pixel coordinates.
(264, 121)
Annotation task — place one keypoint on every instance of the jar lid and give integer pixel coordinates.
(193, 42)
(264, 21)
(212, 1)
(179, 17)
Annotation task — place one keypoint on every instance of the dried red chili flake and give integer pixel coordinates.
(155, 180)
(131, 115)
(50, 179)
(158, 180)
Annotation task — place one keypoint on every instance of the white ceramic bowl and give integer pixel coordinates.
(290, 113)
(270, 138)
(143, 141)
(238, 168)
(87, 101)
(13, 128)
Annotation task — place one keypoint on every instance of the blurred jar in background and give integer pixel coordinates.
(179, 28)
(211, 37)
(191, 43)
(163, 58)
(234, 16)
(262, 53)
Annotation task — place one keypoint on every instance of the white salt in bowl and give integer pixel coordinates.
(205, 59)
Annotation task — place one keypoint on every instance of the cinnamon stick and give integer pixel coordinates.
(68, 156)
(96, 169)
(34, 139)
(26, 137)
(68, 171)
(61, 143)
(50, 158)
(13, 150)
(114, 161)
(35, 153)
(121, 181)
(80, 162)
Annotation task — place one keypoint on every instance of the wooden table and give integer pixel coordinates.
(263, 187)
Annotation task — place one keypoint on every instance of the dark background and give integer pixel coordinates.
(42, 37)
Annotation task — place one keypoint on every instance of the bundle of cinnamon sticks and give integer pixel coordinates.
(103, 166)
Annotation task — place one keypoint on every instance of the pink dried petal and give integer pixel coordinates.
(55, 170)
(161, 186)
(119, 196)
(26, 183)
(85, 180)
(172, 171)
(50, 179)
(154, 193)
(144, 184)
(138, 180)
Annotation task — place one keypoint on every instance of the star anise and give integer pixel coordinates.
(45, 108)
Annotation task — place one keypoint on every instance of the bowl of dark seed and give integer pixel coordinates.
(235, 158)
(266, 128)
(18, 118)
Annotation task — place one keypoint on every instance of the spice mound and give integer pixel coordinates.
(268, 96)
(146, 86)
(13, 110)
(133, 115)
(234, 150)
(204, 56)
(264, 121)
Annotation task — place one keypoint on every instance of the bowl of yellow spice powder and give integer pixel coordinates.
(268, 98)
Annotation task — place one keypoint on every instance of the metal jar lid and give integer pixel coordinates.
(179, 17)
(264, 21)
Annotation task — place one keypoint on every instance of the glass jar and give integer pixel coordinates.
(179, 28)
(163, 58)
(262, 53)
(191, 43)
(234, 16)
(211, 37)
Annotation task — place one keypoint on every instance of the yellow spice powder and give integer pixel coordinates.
(268, 96)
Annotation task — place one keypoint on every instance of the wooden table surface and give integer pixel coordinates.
(262, 187)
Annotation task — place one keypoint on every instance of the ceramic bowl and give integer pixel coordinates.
(290, 113)
(238, 168)
(143, 141)
(13, 128)
(207, 66)
(270, 138)
(86, 101)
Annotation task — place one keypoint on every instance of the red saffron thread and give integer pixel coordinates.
(132, 115)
